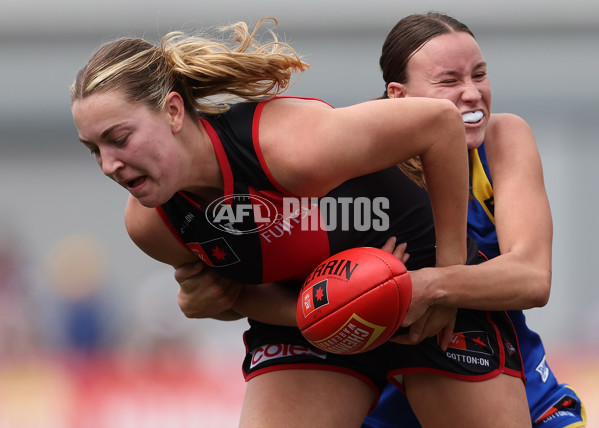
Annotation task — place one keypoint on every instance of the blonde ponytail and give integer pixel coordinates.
(205, 72)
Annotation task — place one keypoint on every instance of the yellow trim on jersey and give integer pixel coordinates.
(481, 187)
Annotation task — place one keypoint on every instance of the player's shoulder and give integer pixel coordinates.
(508, 139)
(500, 121)
(139, 219)
(149, 232)
(290, 107)
(506, 127)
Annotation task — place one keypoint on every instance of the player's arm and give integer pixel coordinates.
(520, 277)
(203, 293)
(310, 148)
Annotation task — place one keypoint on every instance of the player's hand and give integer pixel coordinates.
(270, 303)
(419, 305)
(422, 319)
(398, 251)
(203, 293)
(437, 319)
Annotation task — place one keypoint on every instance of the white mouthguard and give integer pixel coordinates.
(472, 117)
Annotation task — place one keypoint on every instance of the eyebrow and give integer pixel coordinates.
(455, 73)
(104, 133)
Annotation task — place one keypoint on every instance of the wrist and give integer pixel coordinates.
(433, 285)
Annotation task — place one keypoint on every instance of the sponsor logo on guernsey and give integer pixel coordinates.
(187, 220)
(216, 252)
(276, 351)
(562, 407)
(543, 370)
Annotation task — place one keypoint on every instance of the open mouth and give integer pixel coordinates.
(135, 182)
(472, 116)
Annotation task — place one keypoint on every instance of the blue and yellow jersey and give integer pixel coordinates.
(481, 207)
(552, 404)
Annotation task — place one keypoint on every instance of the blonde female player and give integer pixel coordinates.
(149, 117)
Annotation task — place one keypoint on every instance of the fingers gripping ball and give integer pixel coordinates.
(354, 301)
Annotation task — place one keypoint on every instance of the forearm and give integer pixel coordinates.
(506, 282)
(270, 303)
(445, 166)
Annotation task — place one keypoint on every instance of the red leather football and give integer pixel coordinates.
(354, 301)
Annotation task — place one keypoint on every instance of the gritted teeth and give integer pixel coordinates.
(472, 117)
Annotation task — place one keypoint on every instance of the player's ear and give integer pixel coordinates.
(175, 108)
(396, 90)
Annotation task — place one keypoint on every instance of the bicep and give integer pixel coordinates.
(147, 230)
(311, 148)
(522, 212)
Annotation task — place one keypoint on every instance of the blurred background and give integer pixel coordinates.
(90, 331)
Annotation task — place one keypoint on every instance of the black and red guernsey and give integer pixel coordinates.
(246, 237)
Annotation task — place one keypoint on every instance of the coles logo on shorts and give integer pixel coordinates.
(276, 351)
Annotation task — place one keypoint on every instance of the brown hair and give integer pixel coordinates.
(403, 41)
(408, 36)
(199, 69)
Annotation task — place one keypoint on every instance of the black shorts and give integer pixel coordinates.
(483, 346)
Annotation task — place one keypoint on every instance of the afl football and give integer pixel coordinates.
(354, 301)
